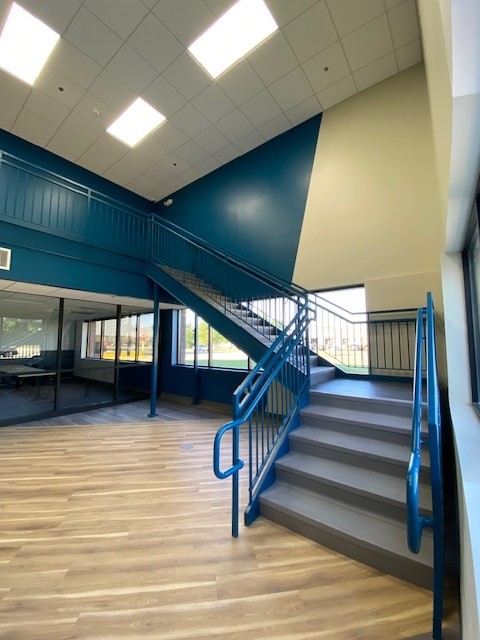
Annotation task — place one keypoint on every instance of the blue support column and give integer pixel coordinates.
(156, 335)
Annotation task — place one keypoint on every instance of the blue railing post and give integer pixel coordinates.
(156, 338)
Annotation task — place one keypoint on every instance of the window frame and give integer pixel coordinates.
(472, 301)
(178, 340)
(91, 324)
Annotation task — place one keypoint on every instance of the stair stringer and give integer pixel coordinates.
(222, 320)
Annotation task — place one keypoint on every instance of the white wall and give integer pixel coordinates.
(450, 31)
(372, 209)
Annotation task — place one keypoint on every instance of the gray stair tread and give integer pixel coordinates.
(383, 487)
(362, 527)
(399, 424)
(356, 445)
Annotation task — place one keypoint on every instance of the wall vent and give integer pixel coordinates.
(5, 258)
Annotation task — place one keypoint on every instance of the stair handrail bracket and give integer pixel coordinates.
(416, 523)
(267, 400)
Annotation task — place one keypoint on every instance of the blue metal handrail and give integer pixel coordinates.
(268, 399)
(415, 521)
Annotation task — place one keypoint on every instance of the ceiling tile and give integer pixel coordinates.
(169, 188)
(41, 104)
(241, 82)
(190, 175)
(311, 32)
(208, 165)
(33, 128)
(59, 87)
(367, 44)
(152, 148)
(227, 154)
(174, 164)
(158, 173)
(169, 135)
(154, 42)
(219, 7)
(85, 107)
(68, 145)
(337, 92)
(137, 160)
(12, 88)
(186, 19)
(275, 127)
(191, 152)
(74, 63)
(273, 59)
(303, 111)
(390, 4)
(286, 10)
(349, 15)
(187, 76)
(124, 19)
(213, 103)
(93, 37)
(112, 92)
(57, 14)
(261, 108)
(291, 89)
(403, 23)
(211, 139)
(96, 158)
(149, 3)
(79, 125)
(9, 113)
(376, 72)
(409, 55)
(250, 141)
(165, 98)
(326, 68)
(131, 69)
(189, 120)
(234, 125)
(142, 185)
(111, 146)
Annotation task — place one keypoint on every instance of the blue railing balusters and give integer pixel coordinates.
(415, 521)
(268, 400)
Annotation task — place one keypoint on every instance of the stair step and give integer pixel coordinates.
(376, 404)
(365, 536)
(310, 472)
(313, 441)
(372, 424)
(320, 374)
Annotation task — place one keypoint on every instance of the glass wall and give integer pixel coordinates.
(28, 354)
(104, 354)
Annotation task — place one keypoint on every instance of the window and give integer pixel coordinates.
(211, 348)
(136, 338)
(471, 263)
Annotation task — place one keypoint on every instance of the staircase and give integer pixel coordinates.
(342, 483)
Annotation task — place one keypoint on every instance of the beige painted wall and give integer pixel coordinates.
(372, 212)
(435, 21)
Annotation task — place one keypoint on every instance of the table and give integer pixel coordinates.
(20, 372)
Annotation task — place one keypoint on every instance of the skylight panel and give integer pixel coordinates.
(136, 122)
(25, 44)
(233, 35)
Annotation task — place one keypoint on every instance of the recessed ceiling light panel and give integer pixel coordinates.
(233, 35)
(136, 122)
(25, 44)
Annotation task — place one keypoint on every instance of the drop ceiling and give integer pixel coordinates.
(112, 51)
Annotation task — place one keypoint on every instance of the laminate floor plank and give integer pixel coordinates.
(117, 529)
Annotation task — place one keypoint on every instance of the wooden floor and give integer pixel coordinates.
(120, 530)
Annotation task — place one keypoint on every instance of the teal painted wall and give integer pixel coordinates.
(254, 206)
